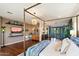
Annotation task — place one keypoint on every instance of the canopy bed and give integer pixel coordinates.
(48, 48)
(60, 43)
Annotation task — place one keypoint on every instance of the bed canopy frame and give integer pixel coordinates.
(26, 11)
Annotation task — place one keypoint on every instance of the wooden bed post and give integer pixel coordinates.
(24, 23)
(77, 25)
(24, 32)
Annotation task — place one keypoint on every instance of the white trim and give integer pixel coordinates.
(13, 42)
(1, 46)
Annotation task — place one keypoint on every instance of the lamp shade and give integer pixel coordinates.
(72, 32)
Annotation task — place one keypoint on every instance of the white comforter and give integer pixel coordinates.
(73, 50)
(49, 50)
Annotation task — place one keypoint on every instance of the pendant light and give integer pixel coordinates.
(34, 21)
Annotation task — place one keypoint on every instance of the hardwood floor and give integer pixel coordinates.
(16, 49)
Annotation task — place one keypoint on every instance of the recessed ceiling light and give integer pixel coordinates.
(9, 12)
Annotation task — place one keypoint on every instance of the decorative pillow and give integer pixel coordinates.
(53, 40)
(65, 46)
(57, 45)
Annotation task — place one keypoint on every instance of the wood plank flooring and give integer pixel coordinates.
(16, 49)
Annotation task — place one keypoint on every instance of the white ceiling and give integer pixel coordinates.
(46, 11)
(16, 9)
(55, 10)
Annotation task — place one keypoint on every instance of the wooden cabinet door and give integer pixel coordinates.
(35, 37)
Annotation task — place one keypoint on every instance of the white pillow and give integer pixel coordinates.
(57, 45)
(53, 40)
(65, 46)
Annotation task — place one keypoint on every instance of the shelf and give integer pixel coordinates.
(15, 35)
(15, 23)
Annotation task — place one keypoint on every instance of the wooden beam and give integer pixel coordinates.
(24, 34)
(77, 25)
(32, 6)
(26, 10)
(34, 15)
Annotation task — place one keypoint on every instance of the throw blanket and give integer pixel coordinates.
(36, 49)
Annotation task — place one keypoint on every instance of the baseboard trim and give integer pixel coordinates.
(13, 42)
(1, 46)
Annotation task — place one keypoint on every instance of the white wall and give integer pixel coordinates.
(11, 40)
(40, 30)
(59, 22)
(7, 39)
(74, 26)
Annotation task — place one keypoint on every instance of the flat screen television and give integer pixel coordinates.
(16, 30)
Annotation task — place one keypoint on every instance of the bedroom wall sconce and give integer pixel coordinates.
(3, 28)
(3, 31)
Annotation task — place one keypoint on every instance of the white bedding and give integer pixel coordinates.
(73, 50)
(49, 50)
